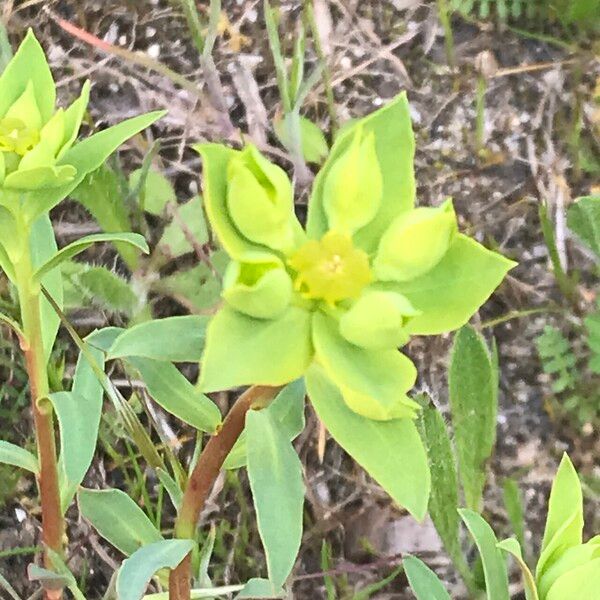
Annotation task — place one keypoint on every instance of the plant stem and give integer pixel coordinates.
(444, 16)
(203, 478)
(53, 527)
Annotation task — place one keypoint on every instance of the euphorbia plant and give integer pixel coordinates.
(331, 303)
(41, 162)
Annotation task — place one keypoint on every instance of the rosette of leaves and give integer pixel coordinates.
(567, 567)
(334, 302)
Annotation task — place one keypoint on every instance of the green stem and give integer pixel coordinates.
(444, 16)
(53, 526)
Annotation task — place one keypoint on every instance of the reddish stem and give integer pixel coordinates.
(203, 477)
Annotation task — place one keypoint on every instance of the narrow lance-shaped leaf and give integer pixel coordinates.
(275, 474)
(171, 390)
(512, 547)
(77, 247)
(11, 454)
(423, 581)
(137, 571)
(118, 519)
(43, 246)
(494, 566)
(473, 402)
(443, 503)
(181, 339)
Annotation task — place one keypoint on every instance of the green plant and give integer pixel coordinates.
(458, 462)
(40, 164)
(566, 568)
(574, 367)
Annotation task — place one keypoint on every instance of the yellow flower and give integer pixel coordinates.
(330, 269)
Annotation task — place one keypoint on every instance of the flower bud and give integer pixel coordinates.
(353, 187)
(415, 242)
(260, 200)
(377, 319)
(260, 290)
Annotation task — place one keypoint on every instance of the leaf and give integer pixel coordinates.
(390, 451)
(156, 190)
(564, 523)
(240, 350)
(314, 145)
(583, 218)
(423, 581)
(118, 519)
(474, 406)
(172, 487)
(373, 383)
(452, 292)
(79, 413)
(514, 508)
(43, 247)
(181, 339)
(87, 156)
(171, 390)
(580, 582)
(260, 588)
(197, 287)
(215, 159)
(494, 567)
(99, 287)
(443, 503)
(513, 548)
(191, 216)
(137, 571)
(28, 64)
(275, 475)
(395, 147)
(10, 454)
(101, 194)
(77, 247)
(287, 410)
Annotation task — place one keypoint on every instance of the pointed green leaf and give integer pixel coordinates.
(174, 239)
(564, 523)
(156, 191)
(390, 451)
(494, 566)
(79, 413)
(423, 581)
(87, 156)
(137, 571)
(10, 454)
(275, 474)
(513, 548)
(395, 147)
(28, 64)
(314, 144)
(452, 292)
(118, 519)
(181, 339)
(240, 350)
(443, 503)
(474, 406)
(77, 247)
(43, 248)
(169, 388)
(583, 218)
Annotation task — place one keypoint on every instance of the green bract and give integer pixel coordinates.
(40, 163)
(369, 271)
